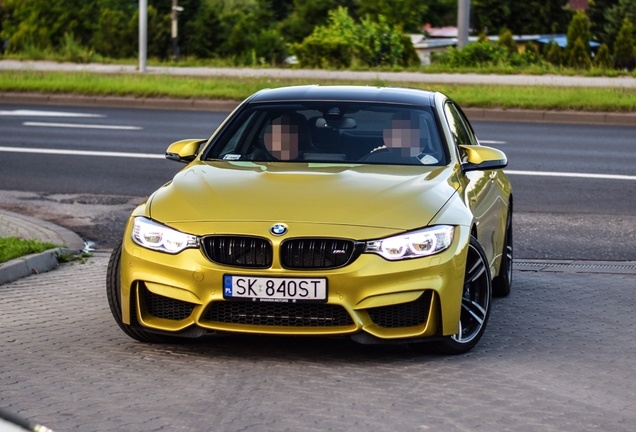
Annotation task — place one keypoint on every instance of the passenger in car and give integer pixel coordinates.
(287, 137)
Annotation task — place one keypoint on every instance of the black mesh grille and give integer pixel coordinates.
(318, 253)
(165, 307)
(252, 252)
(279, 314)
(410, 314)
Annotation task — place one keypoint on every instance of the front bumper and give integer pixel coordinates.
(387, 299)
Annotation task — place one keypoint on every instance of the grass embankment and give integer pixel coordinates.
(11, 248)
(485, 96)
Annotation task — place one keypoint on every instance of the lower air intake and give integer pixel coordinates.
(278, 314)
(165, 307)
(409, 314)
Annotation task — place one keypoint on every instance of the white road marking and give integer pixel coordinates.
(573, 175)
(81, 153)
(33, 113)
(81, 126)
(492, 142)
(158, 156)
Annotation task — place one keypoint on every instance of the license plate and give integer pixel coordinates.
(275, 290)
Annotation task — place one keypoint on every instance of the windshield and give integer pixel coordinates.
(332, 132)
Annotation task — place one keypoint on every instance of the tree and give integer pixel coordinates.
(408, 14)
(307, 15)
(614, 17)
(596, 13)
(602, 58)
(579, 57)
(578, 30)
(111, 33)
(521, 17)
(43, 23)
(624, 45)
(205, 33)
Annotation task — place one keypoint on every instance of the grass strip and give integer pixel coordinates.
(12, 247)
(484, 96)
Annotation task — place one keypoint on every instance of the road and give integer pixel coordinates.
(555, 217)
(558, 355)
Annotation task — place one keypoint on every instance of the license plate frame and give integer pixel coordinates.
(257, 289)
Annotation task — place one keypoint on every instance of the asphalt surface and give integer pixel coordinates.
(555, 217)
(558, 355)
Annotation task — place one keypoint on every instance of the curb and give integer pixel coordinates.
(473, 114)
(32, 264)
(70, 239)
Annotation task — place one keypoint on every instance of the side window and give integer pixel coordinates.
(462, 134)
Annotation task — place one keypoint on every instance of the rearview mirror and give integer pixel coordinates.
(478, 158)
(185, 150)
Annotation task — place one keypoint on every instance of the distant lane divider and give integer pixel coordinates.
(573, 175)
(491, 142)
(81, 153)
(81, 126)
(37, 113)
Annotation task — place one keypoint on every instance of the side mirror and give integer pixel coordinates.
(479, 158)
(185, 150)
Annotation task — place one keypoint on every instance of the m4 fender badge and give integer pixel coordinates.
(278, 229)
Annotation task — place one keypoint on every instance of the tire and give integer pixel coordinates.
(476, 300)
(502, 283)
(113, 292)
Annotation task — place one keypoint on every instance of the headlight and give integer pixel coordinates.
(158, 237)
(415, 244)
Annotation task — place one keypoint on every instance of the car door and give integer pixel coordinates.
(483, 194)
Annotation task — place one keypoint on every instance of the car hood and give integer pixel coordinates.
(395, 197)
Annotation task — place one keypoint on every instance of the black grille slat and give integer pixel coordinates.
(318, 253)
(250, 252)
(278, 314)
(409, 314)
(165, 307)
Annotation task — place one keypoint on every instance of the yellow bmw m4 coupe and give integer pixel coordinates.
(370, 213)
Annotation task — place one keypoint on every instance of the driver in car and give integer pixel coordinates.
(404, 134)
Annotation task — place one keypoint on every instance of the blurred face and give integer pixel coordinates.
(404, 135)
(281, 138)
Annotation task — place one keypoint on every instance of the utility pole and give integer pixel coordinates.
(143, 34)
(463, 22)
(175, 30)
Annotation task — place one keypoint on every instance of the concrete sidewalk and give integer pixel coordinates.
(30, 228)
(403, 77)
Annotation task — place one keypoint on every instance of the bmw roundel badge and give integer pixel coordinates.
(279, 229)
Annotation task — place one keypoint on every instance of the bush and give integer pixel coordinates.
(602, 59)
(409, 54)
(342, 41)
(474, 54)
(506, 41)
(72, 51)
(554, 54)
(532, 53)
